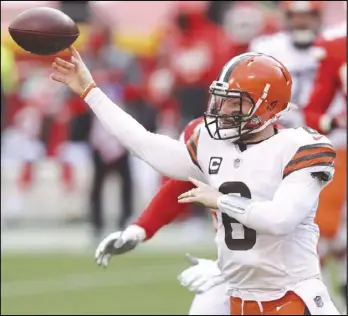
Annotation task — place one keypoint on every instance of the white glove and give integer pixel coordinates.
(202, 276)
(118, 243)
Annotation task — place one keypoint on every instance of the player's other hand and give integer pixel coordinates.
(73, 73)
(203, 194)
(201, 276)
(118, 243)
(340, 121)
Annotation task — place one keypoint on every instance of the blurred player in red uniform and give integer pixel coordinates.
(38, 129)
(331, 78)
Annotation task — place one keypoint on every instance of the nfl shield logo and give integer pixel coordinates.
(318, 301)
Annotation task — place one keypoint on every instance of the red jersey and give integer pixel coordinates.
(331, 77)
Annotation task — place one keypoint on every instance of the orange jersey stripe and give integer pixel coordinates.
(192, 148)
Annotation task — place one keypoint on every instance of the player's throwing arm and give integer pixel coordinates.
(166, 155)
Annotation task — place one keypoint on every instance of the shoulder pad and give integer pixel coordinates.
(191, 128)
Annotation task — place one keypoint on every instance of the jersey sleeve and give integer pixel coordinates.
(295, 199)
(312, 152)
(164, 154)
(164, 207)
(308, 167)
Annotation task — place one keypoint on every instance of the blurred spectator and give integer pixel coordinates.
(216, 10)
(194, 50)
(79, 11)
(243, 22)
(29, 135)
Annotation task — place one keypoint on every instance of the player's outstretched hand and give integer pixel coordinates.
(201, 276)
(118, 243)
(203, 194)
(73, 73)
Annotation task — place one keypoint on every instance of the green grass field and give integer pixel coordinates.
(135, 283)
(142, 282)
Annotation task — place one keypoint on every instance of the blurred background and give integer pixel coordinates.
(66, 183)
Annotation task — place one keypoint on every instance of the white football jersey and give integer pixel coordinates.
(256, 265)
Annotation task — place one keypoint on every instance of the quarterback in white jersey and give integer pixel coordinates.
(266, 195)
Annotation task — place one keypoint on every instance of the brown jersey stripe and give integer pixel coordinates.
(192, 148)
(310, 156)
(314, 165)
(313, 151)
(319, 161)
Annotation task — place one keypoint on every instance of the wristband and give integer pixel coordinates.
(87, 90)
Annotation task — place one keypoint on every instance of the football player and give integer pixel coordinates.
(331, 217)
(264, 183)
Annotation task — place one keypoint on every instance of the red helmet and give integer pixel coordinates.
(259, 79)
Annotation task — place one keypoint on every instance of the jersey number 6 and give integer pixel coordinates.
(249, 234)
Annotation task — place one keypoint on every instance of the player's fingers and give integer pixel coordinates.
(184, 195)
(189, 193)
(98, 253)
(75, 61)
(64, 63)
(58, 78)
(99, 260)
(75, 53)
(193, 260)
(187, 277)
(206, 286)
(60, 68)
(105, 260)
(196, 182)
(119, 242)
(188, 199)
(196, 284)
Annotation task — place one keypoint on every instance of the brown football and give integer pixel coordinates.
(43, 31)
